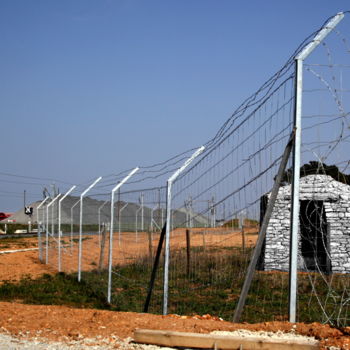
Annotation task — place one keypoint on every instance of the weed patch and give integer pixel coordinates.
(212, 284)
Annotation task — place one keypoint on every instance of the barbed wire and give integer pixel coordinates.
(218, 203)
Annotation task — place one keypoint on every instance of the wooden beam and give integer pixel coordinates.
(212, 341)
(102, 248)
(188, 251)
(155, 268)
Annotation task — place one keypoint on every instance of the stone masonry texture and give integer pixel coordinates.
(335, 196)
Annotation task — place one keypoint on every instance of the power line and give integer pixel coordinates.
(35, 178)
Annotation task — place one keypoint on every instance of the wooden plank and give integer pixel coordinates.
(243, 239)
(188, 251)
(211, 341)
(102, 248)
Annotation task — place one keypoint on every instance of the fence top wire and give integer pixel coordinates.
(252, 102)
(159, 171)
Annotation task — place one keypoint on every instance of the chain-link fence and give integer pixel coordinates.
(229, 208)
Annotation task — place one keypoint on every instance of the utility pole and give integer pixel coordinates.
(54, 191)
(24, 208)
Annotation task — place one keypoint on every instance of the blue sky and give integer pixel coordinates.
(95, 87)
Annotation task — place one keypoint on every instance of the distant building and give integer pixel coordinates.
(4, 216)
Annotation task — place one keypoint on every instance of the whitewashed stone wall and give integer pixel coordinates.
(336, 198)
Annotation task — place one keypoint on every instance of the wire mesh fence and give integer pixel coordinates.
(324, 194)
(225, 186)
(214, 210)
(139, 218)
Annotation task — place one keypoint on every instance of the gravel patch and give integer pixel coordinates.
(10, 342)
(268, 335)
(13, 343)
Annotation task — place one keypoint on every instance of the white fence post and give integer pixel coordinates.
(119, 221)
(137, 224)
(213, 212)
(59, 225)
(293, 253)
(153, 222)
(168, 225)
(47, 227)
(99, 221)
(71, 224)
(81, 224)
(40, 244)
(110, 256)
(142, 211)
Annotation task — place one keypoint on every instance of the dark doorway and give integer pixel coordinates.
(263, 205)
(314, 237)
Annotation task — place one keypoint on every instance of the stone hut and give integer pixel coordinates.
(324, 227)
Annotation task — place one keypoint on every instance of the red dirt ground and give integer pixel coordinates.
(60, 322)
(16, 265)
(133, 247)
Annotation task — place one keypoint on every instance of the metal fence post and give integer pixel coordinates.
(44, 219)
(190, 203)
(47, 227)
(213, 212)
(142, 211)
(137, 224)
(81, 224)
(110, 256)
(71, 223)
(293, 253)
(168, 225)
(40, 245)
(160, 221)
(119, 221)
(52, 221)
(152, 218)
(99, 221)
(59, 225)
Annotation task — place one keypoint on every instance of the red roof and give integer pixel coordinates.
(5, 215)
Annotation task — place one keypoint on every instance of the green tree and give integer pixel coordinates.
(317, 168)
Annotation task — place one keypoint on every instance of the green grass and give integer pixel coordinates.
(60, 289)
(8, 242)
(212, 286)
(76, 240)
